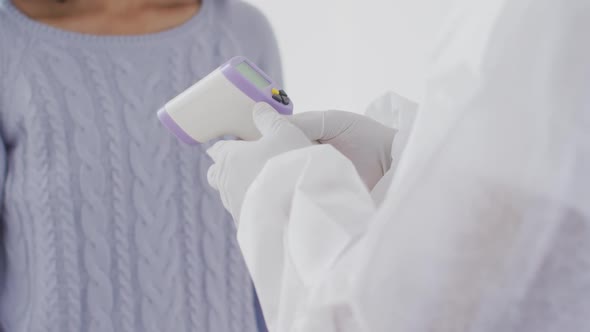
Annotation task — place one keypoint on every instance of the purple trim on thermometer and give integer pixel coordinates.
(256, 94)
(173, 127)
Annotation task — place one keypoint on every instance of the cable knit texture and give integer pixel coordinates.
(108, 221)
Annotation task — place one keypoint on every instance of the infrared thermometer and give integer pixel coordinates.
(221, 104)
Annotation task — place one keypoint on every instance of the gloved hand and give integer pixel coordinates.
(237, 163)
(364, 141)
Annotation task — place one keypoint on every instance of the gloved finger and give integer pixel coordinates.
(324, 126)
(219, 150)
(267, 119)
(213, 177)
(312, 124)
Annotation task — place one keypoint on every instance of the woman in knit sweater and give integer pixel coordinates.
(108, 221)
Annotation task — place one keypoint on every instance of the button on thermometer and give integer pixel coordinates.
(221, 104)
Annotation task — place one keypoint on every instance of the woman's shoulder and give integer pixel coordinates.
(241, 10)
(9, 28)
(244, 17)
(6, 13)
(8, 33)
(252, 32)
(5, 22)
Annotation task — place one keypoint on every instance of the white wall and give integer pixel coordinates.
(343, 53)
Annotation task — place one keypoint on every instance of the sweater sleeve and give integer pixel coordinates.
(3, 161)
(3, 168)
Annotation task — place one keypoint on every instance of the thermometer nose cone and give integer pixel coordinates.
(174, 128)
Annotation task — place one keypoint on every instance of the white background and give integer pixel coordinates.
(341, 54)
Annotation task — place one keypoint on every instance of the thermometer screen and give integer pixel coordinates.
(252, 75)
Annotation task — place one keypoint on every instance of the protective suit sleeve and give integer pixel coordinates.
(294, 226)
(486, 226)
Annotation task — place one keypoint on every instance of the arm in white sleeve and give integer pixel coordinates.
(486, 226)
(303, 210)
(298, 216)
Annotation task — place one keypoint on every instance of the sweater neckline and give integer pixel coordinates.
(51, 33)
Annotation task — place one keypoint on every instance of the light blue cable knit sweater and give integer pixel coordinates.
(108, 221)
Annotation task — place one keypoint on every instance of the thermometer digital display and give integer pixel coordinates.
(221, 104)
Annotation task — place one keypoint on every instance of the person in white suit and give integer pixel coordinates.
(479, 219)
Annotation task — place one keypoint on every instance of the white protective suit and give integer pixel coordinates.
(486, 223)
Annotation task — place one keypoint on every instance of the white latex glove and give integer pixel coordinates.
(237, 163)
(366, 142)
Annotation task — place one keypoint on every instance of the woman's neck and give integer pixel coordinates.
(126, 5)
(110, 17)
